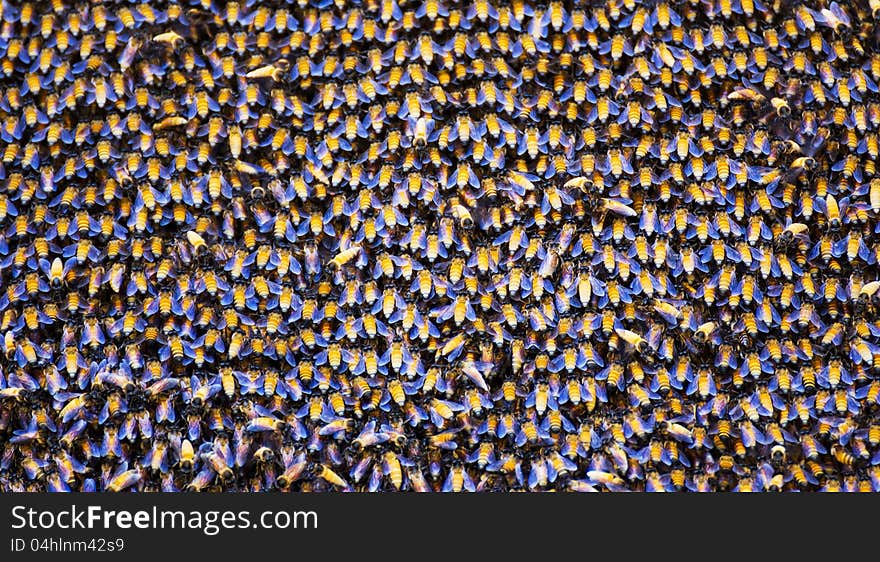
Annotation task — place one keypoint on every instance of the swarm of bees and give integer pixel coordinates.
(394, 245)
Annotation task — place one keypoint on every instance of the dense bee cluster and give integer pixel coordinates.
(395, 245)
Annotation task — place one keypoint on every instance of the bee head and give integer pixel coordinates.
(355, 448)
(777, 454)
(281, 482)
(311, 470)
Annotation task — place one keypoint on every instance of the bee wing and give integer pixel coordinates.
(619, 208)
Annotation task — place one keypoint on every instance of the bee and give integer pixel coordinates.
(458, 480)
(123, 480)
